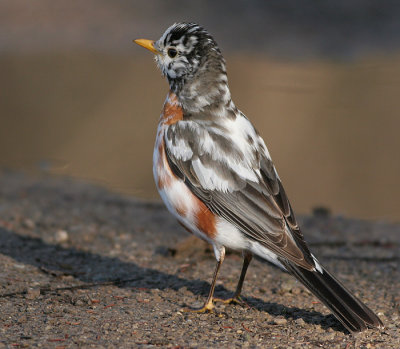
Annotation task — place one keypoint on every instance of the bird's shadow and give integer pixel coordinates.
(95, 269)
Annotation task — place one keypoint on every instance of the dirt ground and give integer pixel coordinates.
(84, 267)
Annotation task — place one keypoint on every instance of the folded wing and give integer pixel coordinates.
(237, 181)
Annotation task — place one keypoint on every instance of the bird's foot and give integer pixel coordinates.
(207, 308)
(235, 300)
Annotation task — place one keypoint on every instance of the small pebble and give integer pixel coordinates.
(28, 223)
(32, 293)
(296, 290)
(79, 302)
(280, 321)
(61, 236)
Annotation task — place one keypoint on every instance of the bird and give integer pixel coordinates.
(215, 174)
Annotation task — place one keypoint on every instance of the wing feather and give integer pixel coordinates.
(251, 198)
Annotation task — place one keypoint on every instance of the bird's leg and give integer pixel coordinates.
(247, 257)
(209, 305)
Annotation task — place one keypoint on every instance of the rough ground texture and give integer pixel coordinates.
(83, 267)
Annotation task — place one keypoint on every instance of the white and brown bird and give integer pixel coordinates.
(215, 174)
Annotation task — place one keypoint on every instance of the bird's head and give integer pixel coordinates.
(189, 58)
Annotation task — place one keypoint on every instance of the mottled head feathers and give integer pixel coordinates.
(193, 64)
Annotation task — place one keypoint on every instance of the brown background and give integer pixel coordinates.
(320, 84)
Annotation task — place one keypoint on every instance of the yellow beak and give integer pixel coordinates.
(149, 44)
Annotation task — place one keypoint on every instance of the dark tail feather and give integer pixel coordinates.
(349, 310)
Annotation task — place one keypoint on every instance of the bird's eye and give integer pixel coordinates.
(172, 52)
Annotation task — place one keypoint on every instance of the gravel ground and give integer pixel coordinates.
(83, 267)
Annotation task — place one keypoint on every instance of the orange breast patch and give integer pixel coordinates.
(172, 111)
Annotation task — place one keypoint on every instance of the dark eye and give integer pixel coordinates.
(172, 52)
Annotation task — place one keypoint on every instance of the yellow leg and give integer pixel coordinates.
(209, 305)
(247, 257)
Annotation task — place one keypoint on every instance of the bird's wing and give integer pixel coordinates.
(229, 169)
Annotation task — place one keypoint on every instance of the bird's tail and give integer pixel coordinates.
(348, 309)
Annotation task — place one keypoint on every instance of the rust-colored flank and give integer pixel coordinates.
(205, 219)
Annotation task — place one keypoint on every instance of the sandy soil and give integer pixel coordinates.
(83, 267)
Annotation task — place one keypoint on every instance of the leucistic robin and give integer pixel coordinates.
(215, 174)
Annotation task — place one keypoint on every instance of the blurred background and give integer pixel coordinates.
(320, 80)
